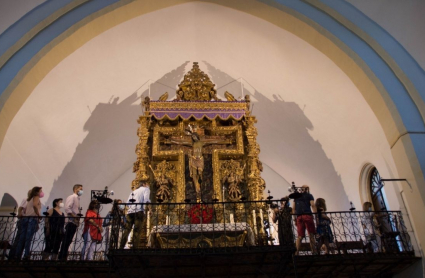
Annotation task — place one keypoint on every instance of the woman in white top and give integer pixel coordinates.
(21, 211)
(30, 221)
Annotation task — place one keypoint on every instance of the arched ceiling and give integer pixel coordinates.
(383, 74)
(339, 22)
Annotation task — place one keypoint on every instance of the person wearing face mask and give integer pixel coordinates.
(93, 228)
(30, 222)
(72, 205)
(54, 224)
(114, 222)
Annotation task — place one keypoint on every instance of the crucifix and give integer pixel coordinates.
(196, 160)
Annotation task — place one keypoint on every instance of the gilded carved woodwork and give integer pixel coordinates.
(142, 150)
(191, 240)
(168, 132)
(165, 176)
(232, 174)
(196, 86)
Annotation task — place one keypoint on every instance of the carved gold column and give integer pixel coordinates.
(256, 184)
(142, 150)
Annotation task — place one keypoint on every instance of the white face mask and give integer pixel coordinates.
(61, 205)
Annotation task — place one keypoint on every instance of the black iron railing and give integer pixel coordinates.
(358, 232)
(29, 238)
(177, 226)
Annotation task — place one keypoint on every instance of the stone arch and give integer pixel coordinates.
(407, 152)
(284, 16)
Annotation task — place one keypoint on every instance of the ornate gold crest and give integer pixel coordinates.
(196, 86)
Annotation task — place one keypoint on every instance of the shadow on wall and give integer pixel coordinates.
(286, 144)
(107, 152)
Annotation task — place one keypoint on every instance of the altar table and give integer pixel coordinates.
(201, 235)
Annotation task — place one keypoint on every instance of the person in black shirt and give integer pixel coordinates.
(54, 230)
(282, 216)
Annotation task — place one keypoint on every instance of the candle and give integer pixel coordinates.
(167, 220)
(255, 221)
(148, 222)
(232, 220)
(261, 216)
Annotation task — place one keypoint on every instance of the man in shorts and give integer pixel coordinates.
(303, 208)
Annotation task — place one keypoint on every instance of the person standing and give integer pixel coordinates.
(370, 228)
(54, 229)
(30, 222)
(14, 252)
(282, 216)
(93, 229)
(323, 225)
(303, 207)
(72, 205)
(136, 214)
(114, 223)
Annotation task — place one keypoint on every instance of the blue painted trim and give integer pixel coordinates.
(406, 107)
(18, 29)
(408, 111)
(400, 55)
(26, 53)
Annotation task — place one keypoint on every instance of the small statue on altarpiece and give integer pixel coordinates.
(163, 179)
(146, 104)
(232, 173)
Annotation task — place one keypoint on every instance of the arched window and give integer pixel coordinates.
(377, 191)
(388, 228)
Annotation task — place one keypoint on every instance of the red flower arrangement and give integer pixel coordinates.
(199, 211)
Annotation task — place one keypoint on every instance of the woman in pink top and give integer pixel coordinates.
(30, 221)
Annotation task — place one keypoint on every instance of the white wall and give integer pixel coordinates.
(79, 124)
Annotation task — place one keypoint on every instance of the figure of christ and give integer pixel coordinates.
(196, 160)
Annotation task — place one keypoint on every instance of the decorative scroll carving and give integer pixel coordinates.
(229, 96)
(196, 86)
(163, 97)
(142, 149)
(256, 184)
(165, 176)
(233, 174)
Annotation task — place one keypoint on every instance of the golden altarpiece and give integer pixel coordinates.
(200, 149)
